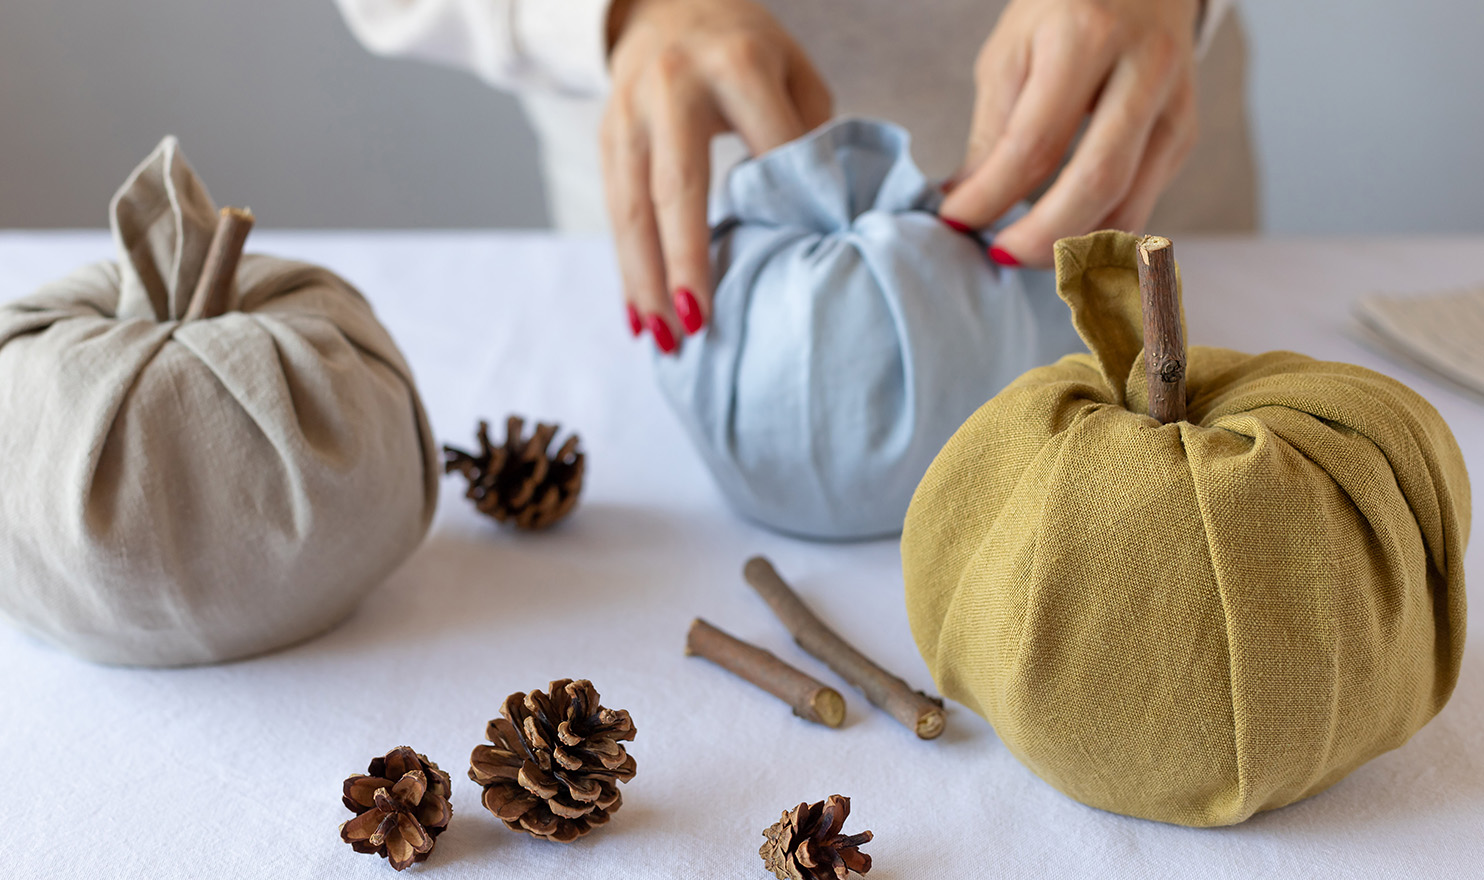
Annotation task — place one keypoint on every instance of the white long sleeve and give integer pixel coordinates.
(542, 45)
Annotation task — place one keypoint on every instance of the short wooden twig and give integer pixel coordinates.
(219, 271)
(810, 699)
(921, 714)
(1164, 338)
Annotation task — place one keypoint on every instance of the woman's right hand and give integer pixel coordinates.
(683, 72)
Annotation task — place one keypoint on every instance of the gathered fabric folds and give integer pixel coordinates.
(852, 332)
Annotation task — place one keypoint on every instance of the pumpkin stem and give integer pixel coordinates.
(214, 287)
(1164, 339)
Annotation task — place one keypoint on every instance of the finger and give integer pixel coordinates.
(1101, 172)
(761, 110)
(1170, 143)
(680, 175)
(635, 236)
(809, 93)
(999, 76)
(1064, 76)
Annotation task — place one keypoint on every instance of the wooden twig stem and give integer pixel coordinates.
(214, 287)
(1164, 338)
(811, 700)
(921, 714)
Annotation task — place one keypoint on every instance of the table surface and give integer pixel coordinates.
(235, 770)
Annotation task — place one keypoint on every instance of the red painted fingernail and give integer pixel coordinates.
(957, 225)
(636, 326)
(688, 310)
(663, 338)
(1002, 256)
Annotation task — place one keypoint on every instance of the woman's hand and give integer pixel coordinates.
(684, 71)
(1130, 65)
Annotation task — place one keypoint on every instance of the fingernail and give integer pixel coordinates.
(663, 338)
(636, 326)
(688, 310)
(1002, 256)
(957, 225)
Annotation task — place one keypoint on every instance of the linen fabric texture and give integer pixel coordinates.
(181, 492)
(851, 333)
(1197, 621)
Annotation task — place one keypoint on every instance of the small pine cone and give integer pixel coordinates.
(556, 762)
(806, 844)
(517, 482)
(401, 805)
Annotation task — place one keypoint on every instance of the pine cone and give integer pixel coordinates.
(400, 806)
(517, 482)
(806, 844)
(556, 762)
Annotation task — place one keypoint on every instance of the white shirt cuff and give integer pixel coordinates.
(551, 45)
(564, 42)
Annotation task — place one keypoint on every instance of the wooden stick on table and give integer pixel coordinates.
(811, 700)
(921, 714)
(1164, 338)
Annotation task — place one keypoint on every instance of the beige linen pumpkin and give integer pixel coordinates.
(177, 492)
(1195, 621)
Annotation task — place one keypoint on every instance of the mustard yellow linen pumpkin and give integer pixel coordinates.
(1197, 621)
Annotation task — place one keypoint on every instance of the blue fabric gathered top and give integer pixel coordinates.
(852, 333)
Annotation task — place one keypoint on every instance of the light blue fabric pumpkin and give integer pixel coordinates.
(852, 333)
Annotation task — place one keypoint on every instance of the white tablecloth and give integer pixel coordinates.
(235, 771)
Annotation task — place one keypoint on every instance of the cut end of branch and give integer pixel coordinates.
(829, 707)
(1150, 243)
(930, 723)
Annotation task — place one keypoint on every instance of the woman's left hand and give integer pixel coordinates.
(1049, 65)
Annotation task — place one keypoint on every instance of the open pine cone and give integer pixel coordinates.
(401, 805)
(556, 762)
(806, 844)
(518, 482)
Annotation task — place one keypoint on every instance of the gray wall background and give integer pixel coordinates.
(1369, 116)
